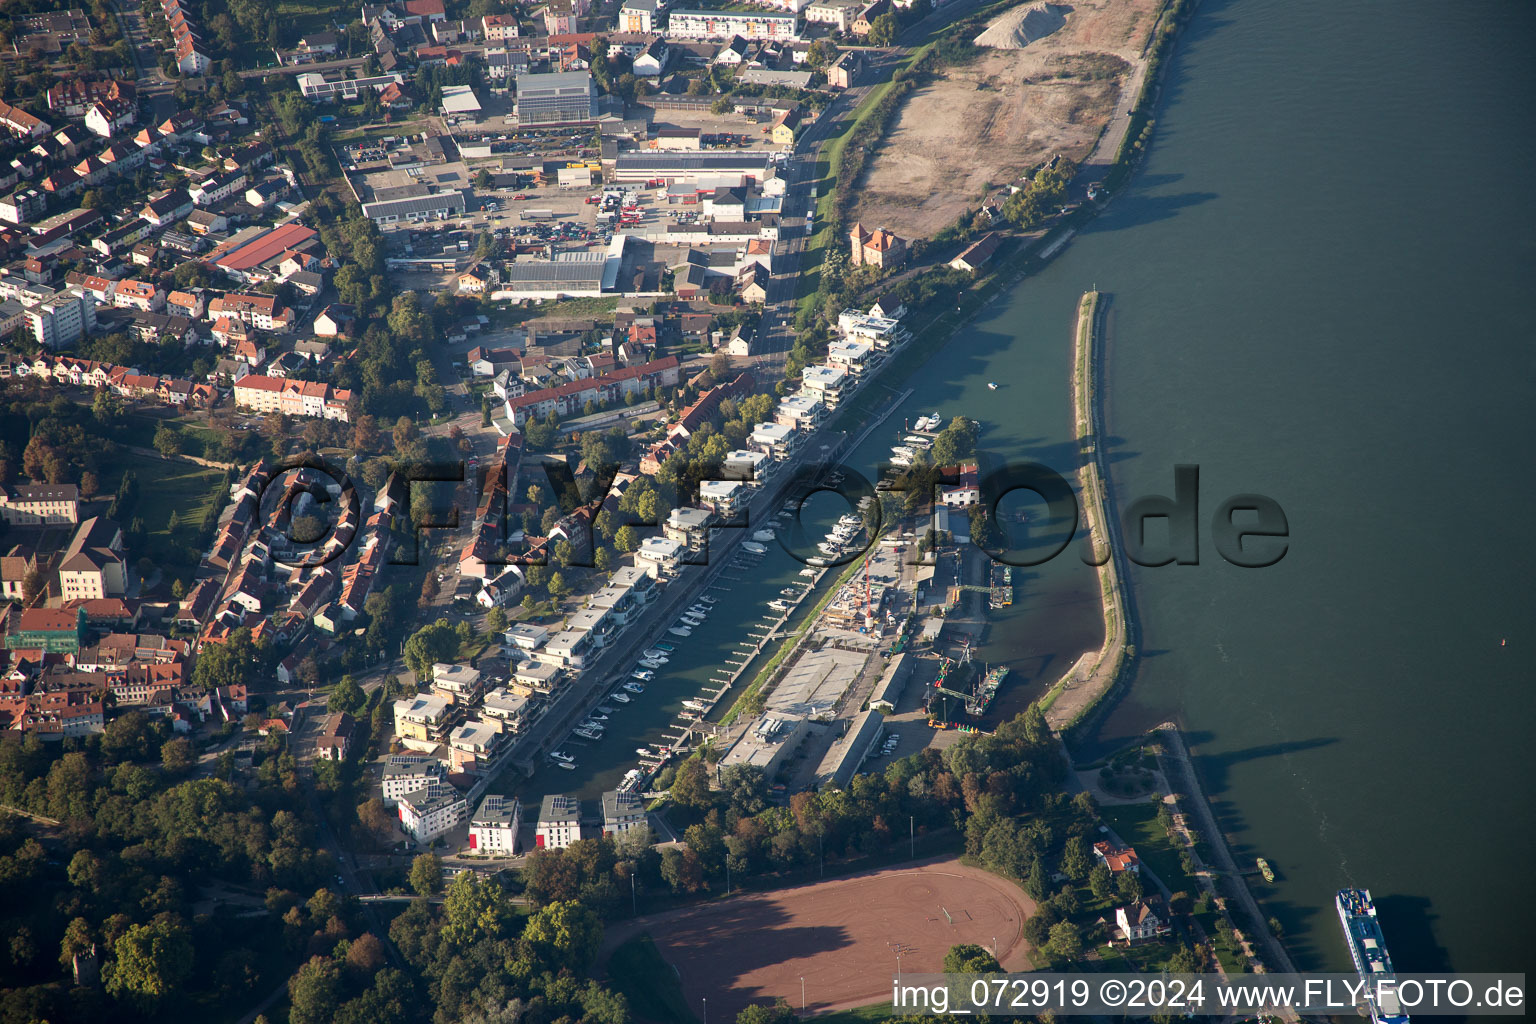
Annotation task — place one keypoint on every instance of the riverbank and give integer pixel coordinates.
(1079, 695)
(1178, 770)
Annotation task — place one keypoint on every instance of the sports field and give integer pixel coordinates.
(840, 936)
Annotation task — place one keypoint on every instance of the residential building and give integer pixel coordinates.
(428, 814)
(408, 773)
(878, 248)
(1139, 923)
(724, 25)
(1117, 859)
(623, 812)
(660, 556)
(335, 740)
(845, 73)
(262, 312)
(978, 253)
(499, 27)
(495, 824)
(637, 16)
(93, 565)
(39, 504)
(965, 490)
(559, 822)
(61, 320)
(424, 721)
(50, 630)
(23, 206)
(473, 745)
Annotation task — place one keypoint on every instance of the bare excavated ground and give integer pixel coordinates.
(987, 122)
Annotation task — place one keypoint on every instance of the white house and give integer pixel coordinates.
(493, 828)
(559, 822)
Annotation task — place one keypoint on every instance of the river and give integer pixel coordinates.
(1320, 291)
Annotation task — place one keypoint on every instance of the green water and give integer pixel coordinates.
(1321, 286)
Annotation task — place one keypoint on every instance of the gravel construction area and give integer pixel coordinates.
(983, 124)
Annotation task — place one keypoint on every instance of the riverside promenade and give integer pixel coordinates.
(1075, 696)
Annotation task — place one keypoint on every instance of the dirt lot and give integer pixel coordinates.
(837, 935)
(987, 122)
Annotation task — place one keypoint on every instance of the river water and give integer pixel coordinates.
(1321, 286)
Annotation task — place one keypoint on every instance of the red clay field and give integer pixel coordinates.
(840, 936)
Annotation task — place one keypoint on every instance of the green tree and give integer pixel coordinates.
(427, 875)
(474, 911)
(1066, 941)
(149, 962)
(314, 992)
(347, 696)
(167, 441)
(566, 933)
(1128, 886)
(690, 788)
(430, 644)
(1101, 882)
(884, 29)
(969, 958)
(176, 755)
(779, 1013)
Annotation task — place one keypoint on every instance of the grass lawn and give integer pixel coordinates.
(310, 16)
(165, 487)
(638, 970)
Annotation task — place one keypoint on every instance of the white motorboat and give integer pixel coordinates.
(692, 622)
(707, 599)
(753, 547)
(680, 631)
(648, 663)
(992, 385)
(634, 687)
(763, 535)
(897, 460)
(903, 451)
(618, 697)
(605, 709)
(560, 755)
(654, 654)
(586, 734)
(569, 766)
(644, 675)
(780, 605)
(809, 572)
(792, 592)
(694, 704)
(917, 441)
(643, 751)
(597, 716)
